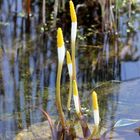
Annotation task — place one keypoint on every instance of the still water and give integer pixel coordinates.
(28, 63)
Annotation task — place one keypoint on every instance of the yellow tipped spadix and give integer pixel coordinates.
(60, 40)
(72, 12)
(94, 100)
(75, 90)
(68, 58)
(69, 64)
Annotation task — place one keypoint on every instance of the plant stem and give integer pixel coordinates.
(73, 59)
(63, 5)
(55, 12)
(70, 93)
(58, 99)
(94, 132)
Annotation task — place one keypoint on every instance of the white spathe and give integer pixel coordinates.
(61, 54)
(73, 31)
(96, 117)
(76, 102)
(70, 69)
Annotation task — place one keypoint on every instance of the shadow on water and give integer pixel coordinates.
(28, 62)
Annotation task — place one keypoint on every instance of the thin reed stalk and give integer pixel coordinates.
(44, 12)
(70, 94)
(55, 12)
(28, 8)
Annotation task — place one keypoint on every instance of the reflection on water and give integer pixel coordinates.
(28, 62)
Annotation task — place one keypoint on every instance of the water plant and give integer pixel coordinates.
(73, 35)
(61, 55)
(65, 130)
(69, 64)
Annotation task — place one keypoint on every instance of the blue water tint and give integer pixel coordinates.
(9, 96)
(130, 70)
(16, 74)
(51, 90)
(2, 110)
(123, 107)
(106, 48)
(41, 74)
(8, 82)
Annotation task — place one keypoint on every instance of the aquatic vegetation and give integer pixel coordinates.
(69, 64)
(61, 55)
(64, 128)
(73, 36)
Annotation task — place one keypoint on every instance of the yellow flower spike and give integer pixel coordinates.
(61, 55)
(60, 40)
(95, 108)
(94, 100)
(72, 12)
(73, 35)
(75, 90)
(60, 45)
(68, 58)
(76, 98)
(69, 64)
